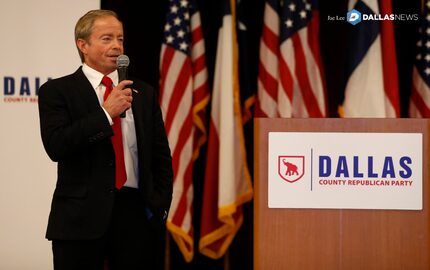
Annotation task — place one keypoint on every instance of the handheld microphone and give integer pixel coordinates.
(122, 63)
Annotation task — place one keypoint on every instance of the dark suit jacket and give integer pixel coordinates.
(76, 134)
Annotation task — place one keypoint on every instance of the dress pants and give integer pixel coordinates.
(134, 240)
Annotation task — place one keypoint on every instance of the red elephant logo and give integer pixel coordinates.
(291, 168)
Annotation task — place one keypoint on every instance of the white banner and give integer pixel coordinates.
(37, 44)
(345, 170)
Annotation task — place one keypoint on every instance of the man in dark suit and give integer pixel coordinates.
(114, 184)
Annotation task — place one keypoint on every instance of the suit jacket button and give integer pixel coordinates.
(110, 163)
(111, 190)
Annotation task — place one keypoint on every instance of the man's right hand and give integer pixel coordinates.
(119, 100)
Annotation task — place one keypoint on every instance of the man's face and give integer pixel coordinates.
(104, 45)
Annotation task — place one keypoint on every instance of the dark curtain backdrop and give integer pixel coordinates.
(143, 26)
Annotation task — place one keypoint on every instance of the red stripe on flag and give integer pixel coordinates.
(199, 64)
(303, 80)
(258, 111)
(269, 83)
(183, 136)
(166, 60)
(178, 91)
(197, 34)
(271, 40)
(200, 93)
(286, 79)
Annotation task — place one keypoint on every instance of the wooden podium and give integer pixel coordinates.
(293, 239)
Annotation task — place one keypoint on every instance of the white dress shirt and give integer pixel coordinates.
(127, 125)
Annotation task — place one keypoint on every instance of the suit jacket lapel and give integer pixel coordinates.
(85, 90)
(139, 113)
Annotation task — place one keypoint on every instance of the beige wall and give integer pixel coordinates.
(36, 42)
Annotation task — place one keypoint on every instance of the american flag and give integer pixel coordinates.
(184, 95)
(290, 80)
(227, 179)
(371, 74)
(420, 95)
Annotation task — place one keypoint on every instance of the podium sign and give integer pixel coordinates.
(347, 170)
(332, 194)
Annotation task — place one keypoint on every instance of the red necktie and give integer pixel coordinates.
(121, 175)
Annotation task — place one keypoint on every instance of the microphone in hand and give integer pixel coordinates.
(122, 63)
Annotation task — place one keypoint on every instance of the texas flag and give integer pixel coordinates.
(372, 80)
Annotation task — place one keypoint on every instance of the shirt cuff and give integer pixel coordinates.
(108, 117)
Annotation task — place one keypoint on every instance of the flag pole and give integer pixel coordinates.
(167, 254)
(227, 260)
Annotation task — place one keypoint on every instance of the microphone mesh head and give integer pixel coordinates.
(122, 61)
